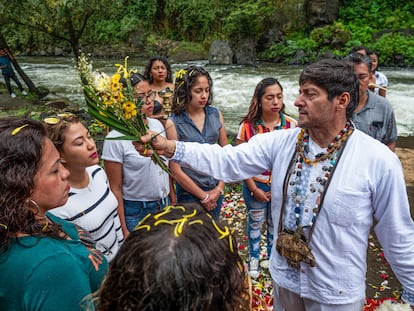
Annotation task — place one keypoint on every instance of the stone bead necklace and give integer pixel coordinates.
(320, 184)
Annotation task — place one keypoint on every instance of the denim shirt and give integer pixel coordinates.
(188, 131)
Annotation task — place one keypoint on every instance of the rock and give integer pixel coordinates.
(322, 12)
(246, 51)
(220, 53)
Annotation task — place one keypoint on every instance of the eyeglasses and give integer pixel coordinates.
(59, 117)
(145, 97)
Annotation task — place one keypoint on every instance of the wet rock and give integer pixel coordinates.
(220, 53)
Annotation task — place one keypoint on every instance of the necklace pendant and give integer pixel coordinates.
(294, 246)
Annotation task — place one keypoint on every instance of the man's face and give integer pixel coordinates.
(363, 75)
(314, 108)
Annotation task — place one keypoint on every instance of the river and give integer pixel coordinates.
(233, 86)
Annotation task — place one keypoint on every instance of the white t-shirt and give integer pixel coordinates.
(143, 180)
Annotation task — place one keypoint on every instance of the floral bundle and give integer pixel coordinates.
(110, 100)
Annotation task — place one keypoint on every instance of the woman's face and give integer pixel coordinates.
(374, 59)
(272, 100)
(159, 71)
(200, 92)
(51, 186)
(79, 149)
(143, 91)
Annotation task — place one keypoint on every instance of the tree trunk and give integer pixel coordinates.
(31, 86)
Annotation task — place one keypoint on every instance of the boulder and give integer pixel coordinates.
(246, 51)
(220, 53)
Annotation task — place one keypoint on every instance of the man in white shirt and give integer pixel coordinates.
(330, 183)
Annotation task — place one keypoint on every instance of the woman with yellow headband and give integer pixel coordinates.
(46, 263)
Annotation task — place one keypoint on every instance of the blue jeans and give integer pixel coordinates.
(135, 211)
(185, 197)
(258, 212)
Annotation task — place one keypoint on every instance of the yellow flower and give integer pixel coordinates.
(130, 110)
(124, 68)
(180, 74)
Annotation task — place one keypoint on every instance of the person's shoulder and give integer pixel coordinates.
(155, 125)
(378, 99)
(376, 148)
(113, 133)
(210, 109)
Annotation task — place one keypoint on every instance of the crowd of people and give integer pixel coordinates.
(318, 183)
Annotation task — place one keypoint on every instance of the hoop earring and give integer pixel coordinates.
(35, 205)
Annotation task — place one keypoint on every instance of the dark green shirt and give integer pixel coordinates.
(42, 273)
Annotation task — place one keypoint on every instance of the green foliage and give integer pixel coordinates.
(37, 24)
(330, 35)
(192, 19)
(285, 52)
(392, 46)
(247, 19)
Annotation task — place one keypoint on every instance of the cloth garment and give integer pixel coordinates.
(135, 211)
(48, 274)
(368, 184)
(377, 119)
(143, 180)
(247, 131)
(293, 302)
(95, 209)
(188, 131)
(185, 197)
(259, 212)
(381, 80)
(9, 74)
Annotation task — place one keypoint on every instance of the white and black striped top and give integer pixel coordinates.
(95, 209)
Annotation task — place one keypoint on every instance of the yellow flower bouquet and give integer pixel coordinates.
(111, 101)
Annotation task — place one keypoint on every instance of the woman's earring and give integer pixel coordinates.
(35, 205)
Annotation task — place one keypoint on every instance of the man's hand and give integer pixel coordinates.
(160, 145)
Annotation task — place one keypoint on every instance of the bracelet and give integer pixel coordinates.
(206, 198)
(219, 189)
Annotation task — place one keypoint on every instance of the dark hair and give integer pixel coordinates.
(372, 52)
(21, 149)
(148, 66)
(356, 59)
(183, 84)
(178, 259)
(255, 109)
(355, 49)
(134, 79)
(56, 127)
(336, 77)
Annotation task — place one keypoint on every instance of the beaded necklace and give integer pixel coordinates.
(333, 151)
(293, 244)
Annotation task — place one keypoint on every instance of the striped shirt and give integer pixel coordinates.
(95, 209)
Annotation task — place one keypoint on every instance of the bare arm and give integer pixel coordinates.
(185, 181)
(114, 172)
